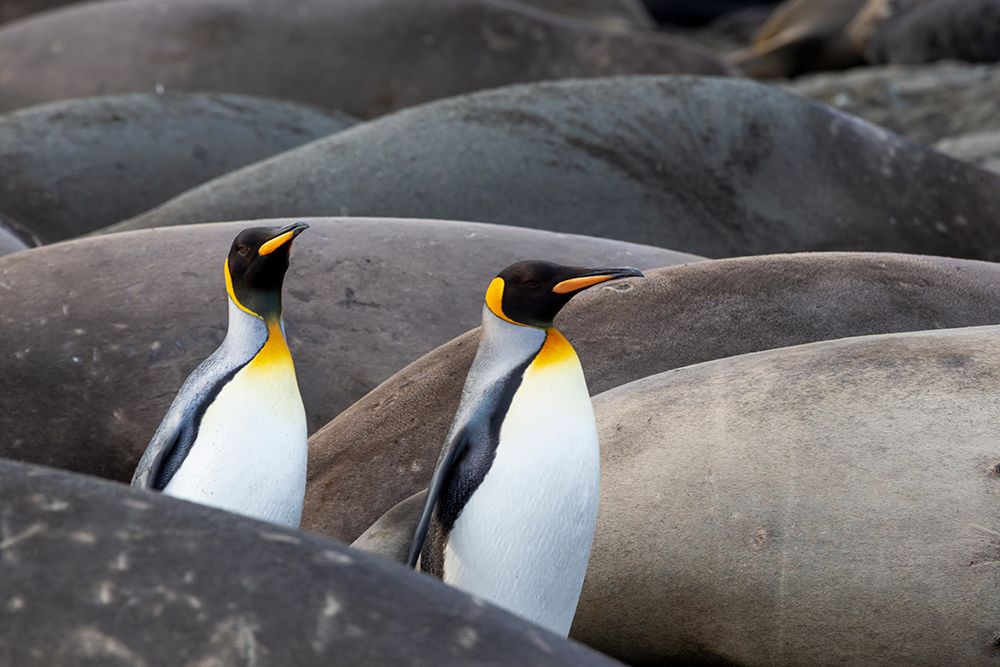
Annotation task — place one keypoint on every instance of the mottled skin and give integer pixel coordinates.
(825, 504)
(715, 167)
(921, 31)
(99, 334)
(675, 317)
(613, 14)
(363, 57)
(73, 167)
(97, 574)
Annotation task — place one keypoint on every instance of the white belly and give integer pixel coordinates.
(250, 453)
(523, 540)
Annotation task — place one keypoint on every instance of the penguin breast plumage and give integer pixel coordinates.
(249, 456)
(523, 539)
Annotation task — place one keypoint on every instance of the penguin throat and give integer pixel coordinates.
(265, 304)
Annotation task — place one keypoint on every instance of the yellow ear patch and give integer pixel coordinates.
(577, 284)
(555, 350)
(276, 243)
(494, 299)
(232, 294)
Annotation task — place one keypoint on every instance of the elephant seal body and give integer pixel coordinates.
(675, 317)
(95, 574)
(829, 504)
(802, 36)
(826, 504)
(626, 158)
(89, 379)
(922, 31)
(611, 14)
(80, 165)
(362, 57)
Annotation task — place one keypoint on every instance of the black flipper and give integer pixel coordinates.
(454, 450)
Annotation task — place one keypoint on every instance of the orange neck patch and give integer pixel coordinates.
(275, 353)
(555, 350)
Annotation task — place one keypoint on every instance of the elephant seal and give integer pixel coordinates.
(100, 333)
(825, 504)
(96, 574)
(802, 36)
(626, 158)
(365, 58)
(922, 31)
(80, 165)
(11, 10)
(611, 14)
(675, 317)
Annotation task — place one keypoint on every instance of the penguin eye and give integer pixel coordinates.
(532, 284)
(243, 250)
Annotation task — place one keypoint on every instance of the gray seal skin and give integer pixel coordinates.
(611, 14)
(922, 31)
(675, 317)
(11, 10)
(363, 57)
(826, 504)
(73, 167)
(86, 380)
(96, 574)
(627, 158)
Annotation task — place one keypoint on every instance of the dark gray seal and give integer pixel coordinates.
(825, 504)
(922, 31)
(613, 14)
(96, 574)
(73, 167)
(363, 57)
(11, 10)
(675, 317)
(100, 333)
(715, 167)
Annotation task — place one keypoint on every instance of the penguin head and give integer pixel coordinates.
(531, 293)
(255, 268)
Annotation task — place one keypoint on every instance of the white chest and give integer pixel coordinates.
(250, 453)
(523, 540)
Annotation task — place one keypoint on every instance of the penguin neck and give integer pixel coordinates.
(500, 338)
(264, 336)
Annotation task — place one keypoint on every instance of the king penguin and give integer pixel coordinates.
(512, 505)
(235, 435)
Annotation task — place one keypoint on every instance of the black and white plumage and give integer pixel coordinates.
(512, 507)
(235, 435)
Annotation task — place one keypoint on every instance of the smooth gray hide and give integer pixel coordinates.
(97, 574)
(99, 334)
(827, 504)
(11, 10)
(73, 167)
(675, 317)
(966, 30)
(614, 14)
(363, 57)
(716, 167)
